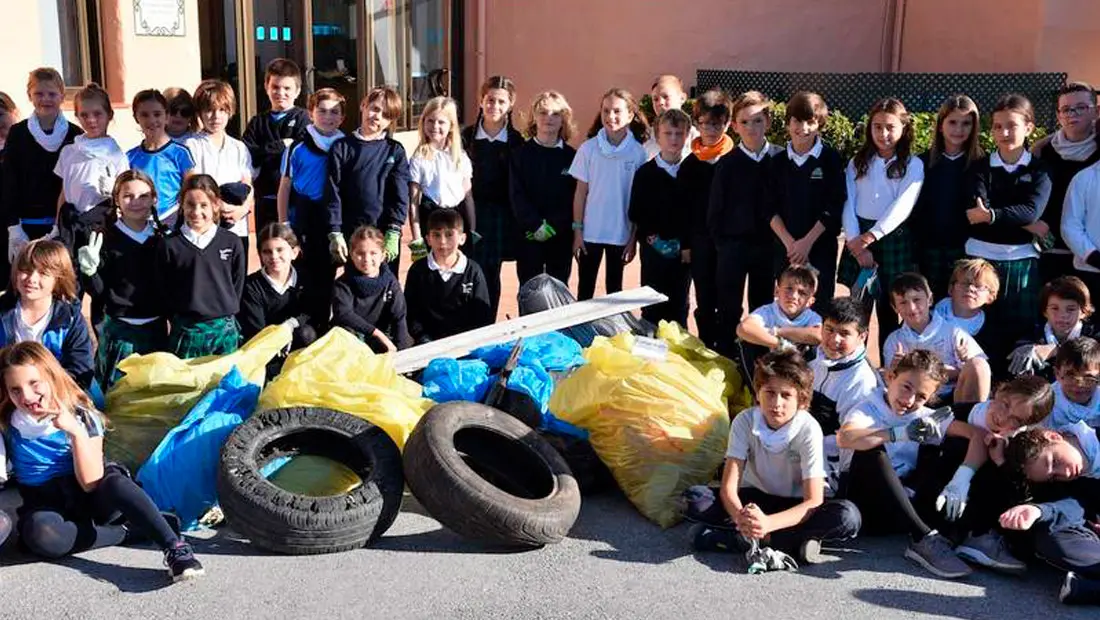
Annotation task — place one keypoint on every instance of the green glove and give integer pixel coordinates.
(392, 245)
(418, 249)
(542, 233)
(474, 237)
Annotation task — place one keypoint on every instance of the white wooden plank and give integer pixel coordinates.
(459, 345)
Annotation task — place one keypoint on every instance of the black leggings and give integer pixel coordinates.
(589, 267)
(59, 518)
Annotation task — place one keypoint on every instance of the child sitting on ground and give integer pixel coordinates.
(1026, 400)
(968, 375)
(1077, 368)
(788, 320)
(773, 484)
(1066, 306)
(367, 299)
(446, 294)
(973, 285)
(276, 293)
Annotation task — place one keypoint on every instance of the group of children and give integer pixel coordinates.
(158, 238)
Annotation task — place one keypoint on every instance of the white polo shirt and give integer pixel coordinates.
(771, 315)
(229, 164)
(971, 326)
(873, 413)
(440, 178)
(609, 172)
(777, 460)
(81, 165)
(939, 337)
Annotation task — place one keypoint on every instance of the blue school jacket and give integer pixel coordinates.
(66, 336)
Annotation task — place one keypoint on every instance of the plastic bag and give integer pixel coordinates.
(446, 379)
(339, 372)
(659, 426)
(552, 351)
(311, 475)
(180, 475)
(545, 292)
(158, 389)
(708, 362)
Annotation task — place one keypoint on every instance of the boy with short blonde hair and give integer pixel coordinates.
(974, 284)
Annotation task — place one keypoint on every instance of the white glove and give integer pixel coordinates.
(106, 186)
(292, 323)
(55, 233)
(17, 238)
(1024, 360)
(87, 257)
(337, 248)
(952, 501)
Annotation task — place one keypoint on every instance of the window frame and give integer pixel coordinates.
(89, 40)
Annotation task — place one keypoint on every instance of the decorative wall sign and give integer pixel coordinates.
(159, 18)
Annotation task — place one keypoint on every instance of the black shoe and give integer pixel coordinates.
(1077, 590)
(707, 538)
(181, 563)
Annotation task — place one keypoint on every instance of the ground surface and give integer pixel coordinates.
(615, 565)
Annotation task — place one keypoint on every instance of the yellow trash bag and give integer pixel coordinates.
(340, 372)
(158, 389)
(659, 426)
(710, 363)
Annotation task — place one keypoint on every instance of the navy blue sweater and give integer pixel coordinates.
(489, 159)
(804, 195)
(697, 176)
(368, 184)
(201, 284)
(657, 203)
(30, 186)
(126, 280)
(541, 186)
(738, 196)
(1016, 199)
(939, 215)
(438, 309)
(264, 138)
(363, 304)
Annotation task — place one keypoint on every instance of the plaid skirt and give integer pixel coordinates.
(936, 264)
(1016, 311)
(893, 254)
(498, 227)
(190, 339)
(119, 340)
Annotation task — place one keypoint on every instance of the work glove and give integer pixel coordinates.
(87, 257)
(1024, 360)
(667, 248)
(922, 430)
(542, 233)
(418, 249)
(392, 244)
(338, 248)
(952, 501)
(765, 559)
(292, 324)
(17, 239)
(55, 233)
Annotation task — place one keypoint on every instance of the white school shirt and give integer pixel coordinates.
(609, 172)
(1090, 447)
(445, 273)
(776, 460)
(440, 178)
(979, 416)
(229, 164)
(199, 240)
(1003, 251)
(887, 202)
(652, 148)
(939, 337)
(847, 387)
(83, 163)
(771, 315)
(30, 332)
(875, 414)
(800, 160)
(1066, 413)
(1081, 216)
(972, 326)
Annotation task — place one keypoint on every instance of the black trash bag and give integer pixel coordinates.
(545, 292)
(592, 476)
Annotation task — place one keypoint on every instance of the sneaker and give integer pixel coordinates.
(181, 563)
(810, 552)
(989, 550)
(935, 554)
(1077, 590)
(706, 538)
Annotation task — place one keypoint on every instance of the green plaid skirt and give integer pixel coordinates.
(893, 254)
(497, 226)
(119, 340)
(1016, 311)
(190, 339)
(936, 264)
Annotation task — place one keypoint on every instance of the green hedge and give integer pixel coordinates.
(846, 136)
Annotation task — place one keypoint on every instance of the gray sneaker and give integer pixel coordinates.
(989, 550)
(935, 554)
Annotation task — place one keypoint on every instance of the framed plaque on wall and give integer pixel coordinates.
(159, 18)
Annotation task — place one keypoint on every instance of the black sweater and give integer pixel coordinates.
(1061, 172)
(30, 186)
(264, 138)
(368, 184)
(696, 176)
(489, 159)
(362, 304)
(804, 195)
(737, 206)
(127, 279)
(262, 305)
(939, 215)
(541, 186)
(1016, 199)
(201, 284)
(657, 203)
(438, 309)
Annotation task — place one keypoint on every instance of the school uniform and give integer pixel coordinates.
(737, 217)
(30, 187)
(305, 164)
(87, 169)
(201, 279)
(940, 337)
(697, 174)
(938, 222)
(805, 190)
(496, 223)
(1043, 334)
(166, 166)
(267, 302)
(126, 281)
(972, 325)
(773, 317)
(1081, 226)
(652, 149)
(1067, 413)
(63, 331)
(541, 189)
(368, 186)
(1063, 160)
(1016, 194)
(775, 464)
(443, 302)
(5, 265)
(441, 181)
(838, 386)
(657, 201)
(362, 304)
(880, 202)
(609, 172)
(264, 137)
(230, 163)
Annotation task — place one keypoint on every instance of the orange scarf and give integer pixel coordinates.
(713, 152)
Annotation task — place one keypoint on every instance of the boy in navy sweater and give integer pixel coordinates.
(738, 218)
(656, 202)
(446, 293)
(269, 134)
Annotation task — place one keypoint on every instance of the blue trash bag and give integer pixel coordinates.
(181, 473)
(553, 351)
(446, 379)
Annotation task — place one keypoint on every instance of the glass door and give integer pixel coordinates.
(279, 31)
(334, 52)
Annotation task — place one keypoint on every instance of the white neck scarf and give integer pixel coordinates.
(1048, 333)
(324, 142)
(1074, 151)
(776, 440)
(52, 141)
